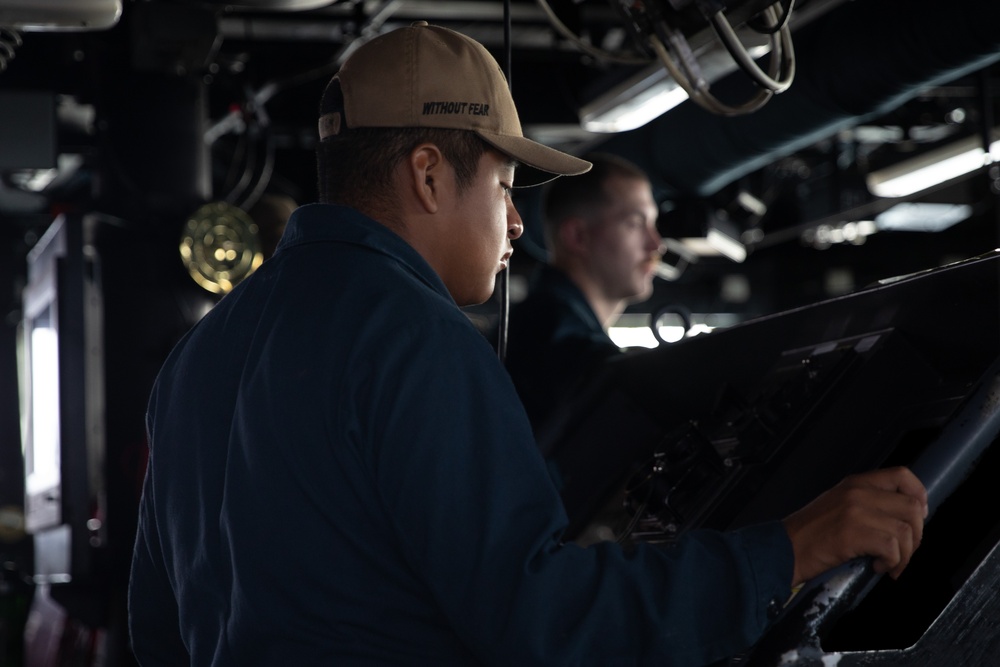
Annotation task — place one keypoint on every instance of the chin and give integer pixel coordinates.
(475, 299)
(643, 293)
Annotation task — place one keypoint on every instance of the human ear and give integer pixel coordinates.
(425, 172)
(574, 235)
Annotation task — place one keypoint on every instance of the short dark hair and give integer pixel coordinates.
(580, 196)
(355, 168)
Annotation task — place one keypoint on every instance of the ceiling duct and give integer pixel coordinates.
(861, 61)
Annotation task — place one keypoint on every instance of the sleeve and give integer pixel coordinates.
(152, 607)
(477, 514)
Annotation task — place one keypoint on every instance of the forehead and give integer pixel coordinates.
(623, 193)
(494, 159)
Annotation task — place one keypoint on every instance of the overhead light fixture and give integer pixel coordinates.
(934, 167)
(639, 99)
(922, 217)
(725, 238)
(674, 258)
(650, 93)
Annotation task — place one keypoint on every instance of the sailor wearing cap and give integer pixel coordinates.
(340, 470)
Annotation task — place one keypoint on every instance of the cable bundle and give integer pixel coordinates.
(646, 20)
(10, 39)
(683, 67)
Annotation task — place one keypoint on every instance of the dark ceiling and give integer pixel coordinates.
(182, 102)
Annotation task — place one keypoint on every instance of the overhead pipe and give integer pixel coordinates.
(861, 61)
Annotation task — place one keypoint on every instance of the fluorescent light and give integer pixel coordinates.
(651, 92)
(699, 246)
(726, 245)
(675, 257)
(668, 272)
(922, 217)
(932, 168)
(633, 103)
(725, 237)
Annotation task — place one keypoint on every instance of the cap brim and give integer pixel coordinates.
(538, 163)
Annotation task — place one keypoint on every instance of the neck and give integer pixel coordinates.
(606, 309)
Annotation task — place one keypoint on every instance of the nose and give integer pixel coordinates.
(654, 242)
(515, 227)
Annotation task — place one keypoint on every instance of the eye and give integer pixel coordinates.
(508, 190)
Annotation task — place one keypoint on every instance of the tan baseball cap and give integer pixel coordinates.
(429, 76)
